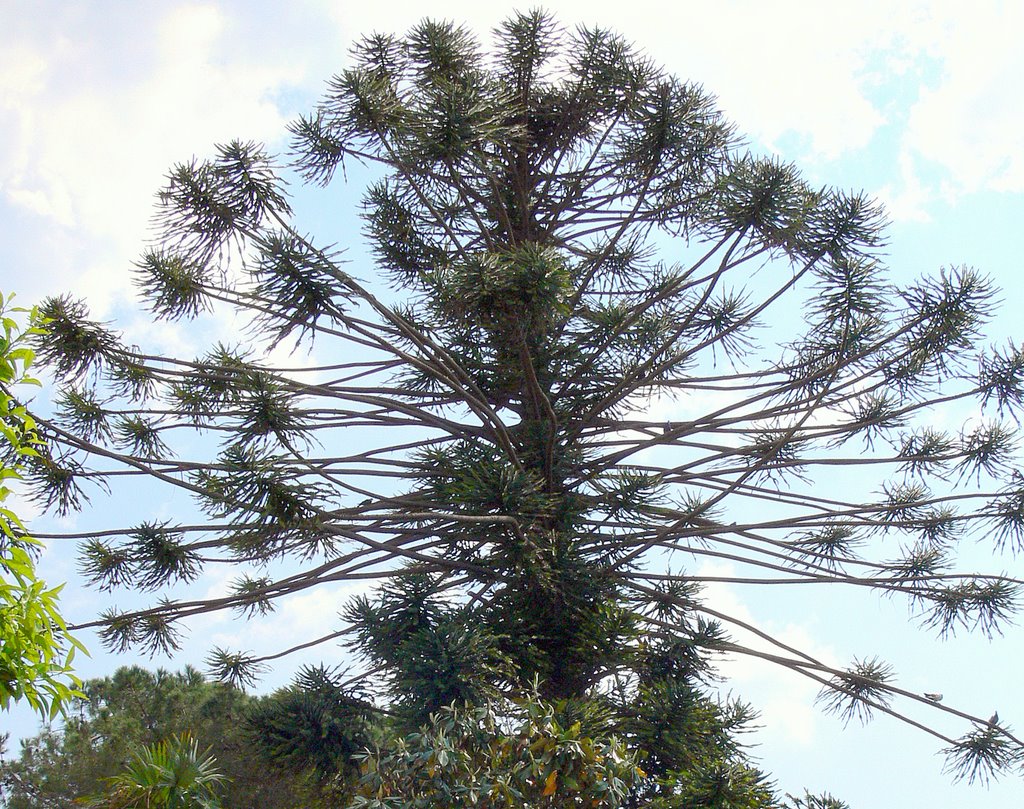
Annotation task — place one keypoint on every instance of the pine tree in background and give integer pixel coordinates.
(568, 235)
(133, 710)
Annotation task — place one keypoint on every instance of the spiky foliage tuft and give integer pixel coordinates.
(983, 754)
(856, 693)
(317, 725)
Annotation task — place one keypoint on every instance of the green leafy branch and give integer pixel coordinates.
(36, 650)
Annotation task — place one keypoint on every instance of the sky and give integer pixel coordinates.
(917, 103)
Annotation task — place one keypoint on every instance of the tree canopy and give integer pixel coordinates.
(114, 730)
(564, 238)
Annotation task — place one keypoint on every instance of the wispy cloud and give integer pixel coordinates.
(785, 699)
(97, 123)
(970, 125)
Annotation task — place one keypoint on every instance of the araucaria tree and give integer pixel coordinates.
(563, 234)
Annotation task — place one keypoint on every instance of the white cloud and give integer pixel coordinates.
(300, 618)
(784, 698)
(22, 76)
(98, 124)
(55, 204)
(22, 73)
(907, 198)
(791, 718)
(971, 124)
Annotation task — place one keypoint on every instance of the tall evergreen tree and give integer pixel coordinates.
(567, 232)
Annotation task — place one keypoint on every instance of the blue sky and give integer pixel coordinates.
(917, 103)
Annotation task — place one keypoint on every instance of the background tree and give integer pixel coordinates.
(531, 522)
(36, 651)
(171, 774)
(120, 716)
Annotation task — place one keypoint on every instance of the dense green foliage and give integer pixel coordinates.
(171, 774)
(526, 757)
(570, 236)
(133, 710)
(671, 746)
(36, 651)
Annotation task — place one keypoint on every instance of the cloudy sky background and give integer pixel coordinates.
(918, 103)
